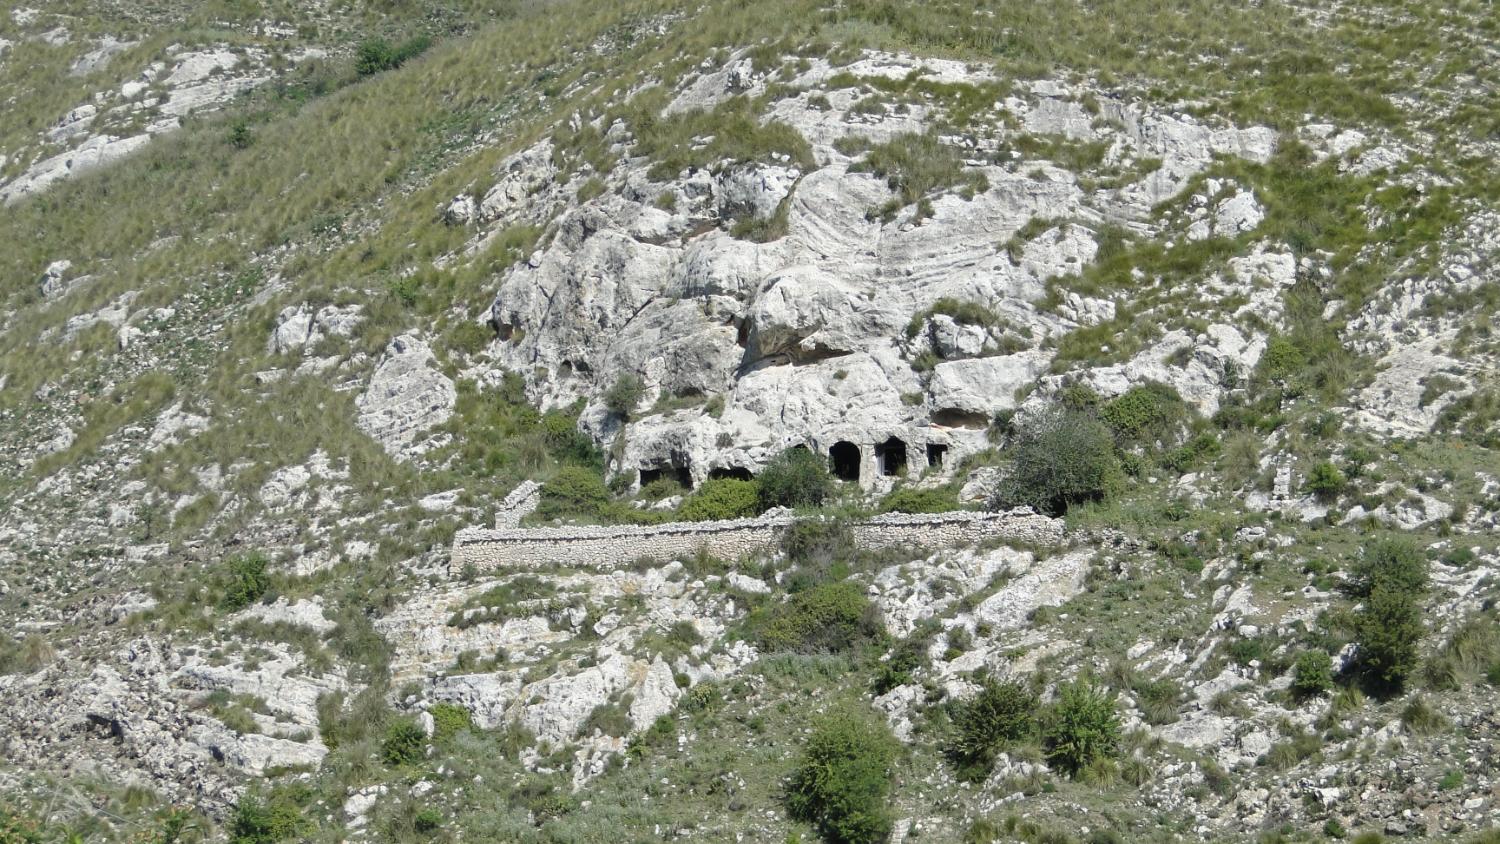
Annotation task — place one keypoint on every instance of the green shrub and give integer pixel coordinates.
(794, 478)
(820, 548)
(573, 491)
(1394, 564)
(625, 394)
(1389, 626)
(909, 500)
(1059, 459)
(1392, 580)
(844, 778)
(1001, 713)
(897, 670)
(1325, 481)
(246, 581)
(1281, 360)
(1312, 674)
(1421, 719)
(1158, 700)
(404, 743)
(722, 498)
(827, 618)
(916, 165)
(427, 820)
(448, 720)
(377, 55)
(963, 313)
(1082, 727)
(1144, 414)
(269, 819)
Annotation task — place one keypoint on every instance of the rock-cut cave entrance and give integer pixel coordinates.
(843, 461)
(890, 456)
(682, 474)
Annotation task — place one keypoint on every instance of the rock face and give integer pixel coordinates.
(832, 328)
(407, 395)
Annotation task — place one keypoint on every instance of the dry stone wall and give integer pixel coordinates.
(614, 547)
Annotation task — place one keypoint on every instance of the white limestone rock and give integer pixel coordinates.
(984, 386)
(407, 395)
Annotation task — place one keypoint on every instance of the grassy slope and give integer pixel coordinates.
(352, 180)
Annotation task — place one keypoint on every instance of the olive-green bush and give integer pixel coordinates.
(794, 478)
(826, 618)
(1082, 727)
(1391, 581)
(404, 743)
(721, 498)
(1004, 711)
(844, 777)
(911, 500)
(1060, 458)
(245, 581)
(1312, 674)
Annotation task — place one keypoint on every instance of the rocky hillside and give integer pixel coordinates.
(296, 291)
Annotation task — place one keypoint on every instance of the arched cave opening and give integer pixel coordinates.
(890, 456)
(738, 473)
(843, 461)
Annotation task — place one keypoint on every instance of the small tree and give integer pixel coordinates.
(1392, 580)
(794, 478)
(1312, 675)
(269, 819)
(1393, 564)
(1058, 459)
(1389, 626)
(1002, 712)
(1084, 726)
(844, 777)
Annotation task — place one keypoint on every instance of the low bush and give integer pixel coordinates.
(1312, 674)
(820, 549)
(843, 780)
(448, 720)
(961, 312)
(1145, 414)
(1325, 481)
(573, 492)
(827, 618)
(910, 500)
(270, 818)
(794, 478)
(1421, 718)
(404, 743)
(1003, 712)
(722, 498)
(625, 394)
(898, 669)
(917, 165)
(1082, 727)
(377, 55)
(245, 582)
(1059, 459)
